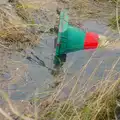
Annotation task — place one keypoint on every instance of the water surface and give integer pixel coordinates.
(39, 77)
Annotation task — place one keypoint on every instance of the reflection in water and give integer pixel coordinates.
(59, 60)
(58, 63)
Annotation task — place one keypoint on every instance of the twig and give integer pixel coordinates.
(5, 114)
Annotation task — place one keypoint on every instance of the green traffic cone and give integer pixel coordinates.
(71, 39)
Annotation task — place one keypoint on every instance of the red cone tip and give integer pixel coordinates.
(91, 40)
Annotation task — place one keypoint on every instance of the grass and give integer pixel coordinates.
(18, 24)
(96, 102)
(113, 22)
(13, 30)
(114, 1)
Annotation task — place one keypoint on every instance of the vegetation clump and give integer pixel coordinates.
(14, 30)
(113, 22)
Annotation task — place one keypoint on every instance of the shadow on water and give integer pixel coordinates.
(41, 69)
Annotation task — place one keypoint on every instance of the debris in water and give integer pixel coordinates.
(56, 83)
(40, 61)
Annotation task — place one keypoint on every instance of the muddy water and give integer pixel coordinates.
(40, 78)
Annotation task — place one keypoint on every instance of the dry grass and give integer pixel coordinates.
(14, 30)
(18, 21)
(18, 24)
(96, 102)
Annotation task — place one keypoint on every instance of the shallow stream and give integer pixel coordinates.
(40, 78)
